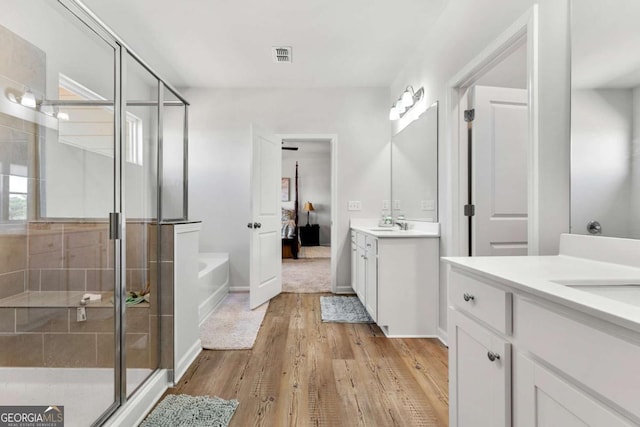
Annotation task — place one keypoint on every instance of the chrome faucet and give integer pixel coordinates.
(402, 223)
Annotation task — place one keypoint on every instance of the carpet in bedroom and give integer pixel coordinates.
(306, 275)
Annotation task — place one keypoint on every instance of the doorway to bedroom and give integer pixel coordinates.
(306, 214)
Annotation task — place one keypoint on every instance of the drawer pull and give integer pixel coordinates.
(468, 297)
(493, 356)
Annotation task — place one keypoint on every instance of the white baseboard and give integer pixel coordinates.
(140, 404)
(238, 288)
(344, 290)
(210, 304)
(443, 336)
(186, 361)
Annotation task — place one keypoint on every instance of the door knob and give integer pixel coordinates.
(257, 225)
(250, 225)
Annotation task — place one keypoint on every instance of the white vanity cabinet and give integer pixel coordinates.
(479, 358)
(365, 266)
(396, 279)
(569, 368)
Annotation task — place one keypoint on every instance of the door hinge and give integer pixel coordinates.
(469, 115)
(114, 226)
(469, 210)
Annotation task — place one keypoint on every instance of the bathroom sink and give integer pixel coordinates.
(626, 291)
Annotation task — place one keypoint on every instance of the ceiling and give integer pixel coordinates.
(215, 43)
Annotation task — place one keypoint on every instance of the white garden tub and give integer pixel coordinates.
(213, 281)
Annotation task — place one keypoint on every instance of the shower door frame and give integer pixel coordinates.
(117, 223)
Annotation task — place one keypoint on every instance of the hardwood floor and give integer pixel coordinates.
(302, 372)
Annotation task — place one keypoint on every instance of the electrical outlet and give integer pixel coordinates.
(386, 205)
(81, 314)
(427, 205)
(354, 205)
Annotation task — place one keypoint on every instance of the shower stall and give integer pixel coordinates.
(93, 162)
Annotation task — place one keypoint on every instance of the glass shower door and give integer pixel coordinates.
(59, 269)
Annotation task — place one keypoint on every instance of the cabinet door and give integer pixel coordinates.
(543, 399)
(361, 274)
(354, 261)
(371, 285)
(480, 375)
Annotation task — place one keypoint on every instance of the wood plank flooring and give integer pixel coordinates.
(302, 372)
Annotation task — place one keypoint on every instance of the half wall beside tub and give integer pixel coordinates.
(186, 296)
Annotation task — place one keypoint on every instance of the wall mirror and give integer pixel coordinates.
(605, 118)
(414, 169)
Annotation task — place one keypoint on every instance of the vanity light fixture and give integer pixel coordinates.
(407, 100)
(28, 99)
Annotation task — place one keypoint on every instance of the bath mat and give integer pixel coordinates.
(182, 410)
(343, 310)
(306, 275)
(232, 326)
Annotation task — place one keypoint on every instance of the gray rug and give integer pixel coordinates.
(343, 310)
(182, 410)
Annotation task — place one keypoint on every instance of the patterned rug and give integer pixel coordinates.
(182, 410)
(343, 310)
(232, 325)
(306, 275)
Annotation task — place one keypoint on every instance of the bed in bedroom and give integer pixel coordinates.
(290, 237)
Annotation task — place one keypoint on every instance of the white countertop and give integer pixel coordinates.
(547, 277)
(416, 229)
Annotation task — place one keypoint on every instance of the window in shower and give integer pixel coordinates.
(89, 128)
(18, 191)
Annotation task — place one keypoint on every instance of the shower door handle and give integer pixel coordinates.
(114, 226)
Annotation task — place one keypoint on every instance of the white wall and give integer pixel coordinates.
(602, 126)
(219, 158)
(314, 185)
(462, 31)
(635, 166)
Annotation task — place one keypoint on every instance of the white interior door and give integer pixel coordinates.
(265, 242)
(499, 169)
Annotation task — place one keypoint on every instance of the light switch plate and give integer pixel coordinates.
(427, 205)
(396, 204)
(354, 205)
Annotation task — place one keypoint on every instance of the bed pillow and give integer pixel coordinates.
(287, 214)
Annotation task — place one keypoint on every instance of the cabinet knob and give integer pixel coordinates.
(257, 225)
(493, 356)
(468, 297)
(250, 225)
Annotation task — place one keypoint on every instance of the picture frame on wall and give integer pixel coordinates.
(285, 193)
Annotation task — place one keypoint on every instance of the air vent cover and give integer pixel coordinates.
(281, 54)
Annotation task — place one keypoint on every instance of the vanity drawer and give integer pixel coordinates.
(481, 300)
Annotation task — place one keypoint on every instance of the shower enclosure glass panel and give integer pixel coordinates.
(174, 156)
(141, 206)
(57, 167)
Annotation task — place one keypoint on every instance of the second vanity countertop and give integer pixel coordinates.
(584, 284)
(416, 229)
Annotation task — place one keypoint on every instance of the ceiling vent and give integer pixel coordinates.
(281, 54)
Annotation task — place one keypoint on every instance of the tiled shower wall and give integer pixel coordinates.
(68, 256)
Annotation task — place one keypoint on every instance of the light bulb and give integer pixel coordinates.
(28, 99)
(407, 99)
(393, 113)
